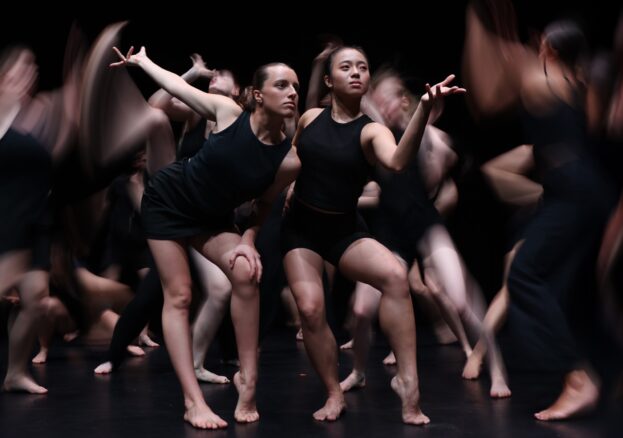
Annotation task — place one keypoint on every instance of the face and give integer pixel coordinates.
(19, 73)
(349, 73)
(389, 97)
(223, 83)
(279, 94)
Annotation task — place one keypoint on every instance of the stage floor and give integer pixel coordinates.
(144, 399)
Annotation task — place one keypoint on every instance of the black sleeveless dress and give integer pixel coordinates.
(198, 195)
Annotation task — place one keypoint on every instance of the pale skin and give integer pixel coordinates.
(446, 288)
(365, 260)
(215, 284)
(235, 255)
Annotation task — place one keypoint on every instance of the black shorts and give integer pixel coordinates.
(328, 235)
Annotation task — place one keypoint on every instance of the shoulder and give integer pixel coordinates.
(309, 116)
(374, 130)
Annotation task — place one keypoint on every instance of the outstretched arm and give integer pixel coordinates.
(174, 108)
(221, 109)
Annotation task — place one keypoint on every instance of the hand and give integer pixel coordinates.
(440, 90)
(200, 67)
(331, 43)
(253, 257)
(131, 58)
(19, 79)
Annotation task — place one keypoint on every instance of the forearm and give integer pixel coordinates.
(412, 137)
(162, 97)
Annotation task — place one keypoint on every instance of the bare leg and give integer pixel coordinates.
(424, 296)
(245, 313)
(55, 320)
(33, 289)
(365, 309)
(447, 264)
(304, 273)
(494, 318)
(218, 290)
(368, 261)
(172, 261)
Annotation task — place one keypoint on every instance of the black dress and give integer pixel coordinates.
(198, 195)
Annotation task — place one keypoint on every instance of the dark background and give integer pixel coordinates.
(423, 40)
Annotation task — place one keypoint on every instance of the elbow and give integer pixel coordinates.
(397, 167)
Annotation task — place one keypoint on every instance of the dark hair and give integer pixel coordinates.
(568, 40)
(246, 99)
(329, 62)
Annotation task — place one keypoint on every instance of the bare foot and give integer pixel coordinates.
(246, 410)
(22, 383)
(499, 388)
(579, 396)
(206, 376)
(299, 335)
(353, 381)
(347, 346)
(332, 409)
(471, 370)
(41, 357)
(202, 417)
(68, 337)
(103, 368)
(136, 351)
(146, 341)
(390, 359)
(410, 397)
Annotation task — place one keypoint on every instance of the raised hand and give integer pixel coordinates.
(200, 67)
(440, 90)
(131, 58)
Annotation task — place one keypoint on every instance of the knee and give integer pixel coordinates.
(178, 297)
(395, 281)
(243, 283)
(312, 313)
(36, 299)
(417, 286)
(158, 118)
(364, 313)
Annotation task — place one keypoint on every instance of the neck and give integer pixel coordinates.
(343, 110)
(266, 127)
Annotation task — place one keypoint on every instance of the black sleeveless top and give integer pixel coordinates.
(333, 166)
(199, 194)
(25, 181)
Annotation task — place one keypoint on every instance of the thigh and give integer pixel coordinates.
(368, 261)
(304, 269)
(13, 266)
(218, 249)
(171, 260)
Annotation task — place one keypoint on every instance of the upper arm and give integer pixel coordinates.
(214, 107)
(378, 144)
(286, 174)
(177, 110)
